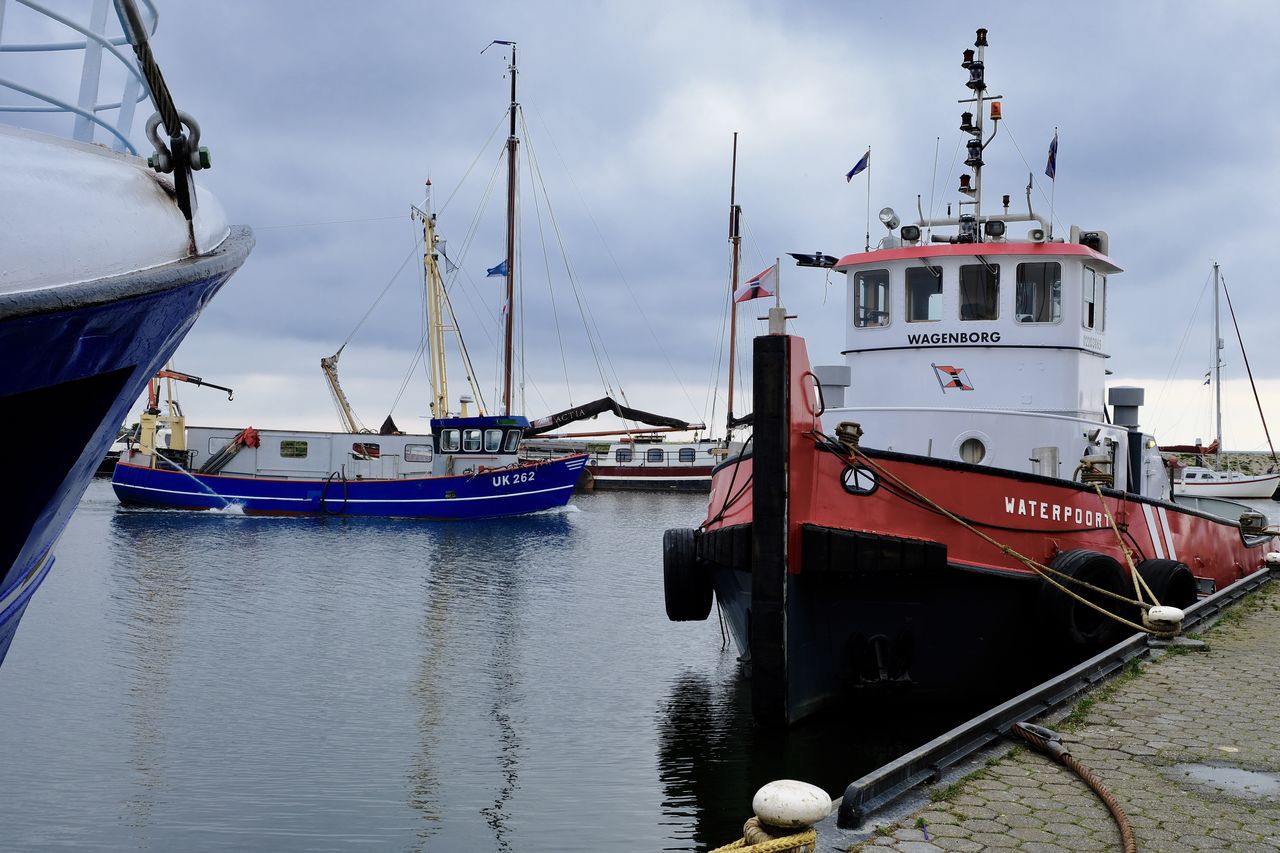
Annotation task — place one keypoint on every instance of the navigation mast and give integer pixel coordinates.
(436, 308)
(513, 142)
(735, 239)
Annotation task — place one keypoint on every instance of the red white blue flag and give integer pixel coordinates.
(759, 285)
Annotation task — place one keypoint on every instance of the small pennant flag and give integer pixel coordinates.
(1051, 168)
(1206, 378)
(500, 269)
(759, 285)
(861, 166)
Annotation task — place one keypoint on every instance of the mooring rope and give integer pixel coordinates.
(756, 840)
(1050, 743)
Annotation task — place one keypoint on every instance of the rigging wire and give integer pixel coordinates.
(594, 341)
(551, 293)
(1248, 369)
(479, 154)
(1008, 129)
(618, 269)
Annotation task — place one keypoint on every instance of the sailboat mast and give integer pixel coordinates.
(509, 306)
(735, 239)
(437, 324)
(1217, 367)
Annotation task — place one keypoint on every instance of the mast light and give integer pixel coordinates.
(974, 147)
(976, 81)
(966, 123)
(995, 111)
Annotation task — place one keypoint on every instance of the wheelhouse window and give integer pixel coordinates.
(622, 454)
(871, 298)
(417, 453)
(1094, 313)
(366, 450)
(924, 294)
(450, 440)
(493, 441)
(471, 440)
(688, 454)
(290, 449)
(655, 454)
(979, 292)
(1038, 293)
(512, 441)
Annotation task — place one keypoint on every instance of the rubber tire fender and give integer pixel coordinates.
(1171, 582)
(686, 580)
(1073, 624)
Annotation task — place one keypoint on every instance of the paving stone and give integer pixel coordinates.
(1217, 707)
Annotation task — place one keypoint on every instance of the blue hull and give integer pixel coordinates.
(501, 492)
(77, 357)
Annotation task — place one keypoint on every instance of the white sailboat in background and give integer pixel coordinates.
(1217, 481)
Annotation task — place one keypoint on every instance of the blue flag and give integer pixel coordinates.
(1051, 168)
(500, 269)
(861, 166)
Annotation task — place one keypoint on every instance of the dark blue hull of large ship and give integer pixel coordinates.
(488, 494)
(76, 358)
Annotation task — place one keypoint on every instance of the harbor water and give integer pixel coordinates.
(214, 681)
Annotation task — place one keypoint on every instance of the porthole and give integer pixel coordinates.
(858, 481)
(972, 450)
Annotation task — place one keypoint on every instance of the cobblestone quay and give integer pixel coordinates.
(1188, 743)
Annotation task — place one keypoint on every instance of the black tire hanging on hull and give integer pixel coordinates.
(1171, 582)
(1076, 625)
(686, 582)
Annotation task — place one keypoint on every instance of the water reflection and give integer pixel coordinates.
(150, 594)
(471, 629)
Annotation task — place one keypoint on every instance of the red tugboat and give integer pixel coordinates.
(974, 503)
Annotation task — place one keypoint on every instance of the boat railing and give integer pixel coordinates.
(44, 94)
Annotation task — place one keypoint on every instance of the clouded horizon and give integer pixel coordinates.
(324, 119)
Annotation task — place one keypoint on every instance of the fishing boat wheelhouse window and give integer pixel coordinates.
(492, 441)
(979, 292)
(871, 298)
(290, 449)
(513, 441)
(449, 441)
(417, 453)
(1094, 315)
(471, 441)
(622, 454)
(687, 454)
(924, 294)
(1038, 293)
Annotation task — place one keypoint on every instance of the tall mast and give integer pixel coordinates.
(735, 239)
(436, 310)
(512, 144)
(1217, 367)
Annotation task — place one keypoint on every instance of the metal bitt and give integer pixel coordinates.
(770, 700)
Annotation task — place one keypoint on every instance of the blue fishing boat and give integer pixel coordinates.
(467, 467)
(108, 262)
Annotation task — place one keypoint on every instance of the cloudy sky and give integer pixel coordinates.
(324, 119)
